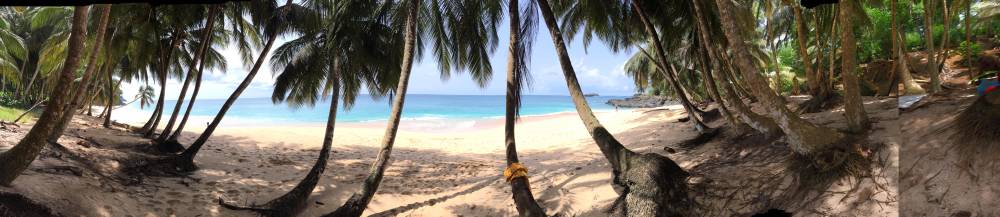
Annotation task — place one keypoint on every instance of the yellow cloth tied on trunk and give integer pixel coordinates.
(515, 170)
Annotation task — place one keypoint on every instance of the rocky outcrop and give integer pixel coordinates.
(639, 101)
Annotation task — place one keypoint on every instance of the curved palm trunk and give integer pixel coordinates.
(356, 204)
(932, 69)
(713, 91)
(156, 111)
(185, 161)
(802, 136)
(17, 159)
(857, 120)
(159, 109)
(759, 123)
(520, 186)
(88, 76)
(190, 105)
(803, 40)
(293, 202)
(111, 99)
(206, 37)
(649, 184)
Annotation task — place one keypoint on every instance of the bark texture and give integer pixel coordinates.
(857, 119)
(802, 136)
(17, 159)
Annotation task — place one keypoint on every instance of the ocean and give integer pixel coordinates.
(366, 109)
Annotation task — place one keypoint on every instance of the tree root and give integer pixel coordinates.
(12, 204)
(653, 186)
(169, 146)
(262, 210)
(819, 103)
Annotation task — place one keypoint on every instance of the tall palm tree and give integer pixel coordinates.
(17, 159)
(803, 136)
(649, 184)
(349, 48)
(80, 91)
(174, 146)
(854, 110)
(521, 38)
(461, 33)
(273, 21)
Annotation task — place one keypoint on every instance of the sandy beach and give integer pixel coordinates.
(434, 171)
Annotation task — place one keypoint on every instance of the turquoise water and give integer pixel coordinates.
(365, 109)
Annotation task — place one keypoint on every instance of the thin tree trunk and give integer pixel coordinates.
(932, 70)
(17, 159)
(194, 96)
(357, 203)
(854, 110)
(156, 109)
(293, 202)
(713, 90)
(164, 70)
(910, 87)
(88, 76)
(111, 99)
(524, 201)
(968, 41)
(205, 42)
(185, 161)
(649, 184)
(802, 136)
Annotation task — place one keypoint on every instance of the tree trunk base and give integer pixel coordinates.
(653, 186)
(701, 139)
(274, 208)
(819, 103)
(169, 146)
(352, 208)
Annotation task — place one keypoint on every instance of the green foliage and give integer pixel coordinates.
(8, 114)
(914, 41)
(875, 40)
(7, 99)
(965, 48)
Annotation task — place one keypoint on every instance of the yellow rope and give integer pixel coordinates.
(515, 170)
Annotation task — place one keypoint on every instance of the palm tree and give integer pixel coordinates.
(173, 146)
(17, 159)
(857, 120)
(336, 55)
(802, 136)
(462, 35)
(521, 37)
(273, 21)
(88, 76)
(649, 184)
(714, 55)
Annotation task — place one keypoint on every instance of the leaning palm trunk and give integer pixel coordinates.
(648, 184)
(802, 136)
(88, 76)
(357, 203)
(854, 110)
(759, 123)
(190, 105)
(516, 174)
(185, 161)
(172, 146)
(293, 202)
(17, 159)
(149, 123)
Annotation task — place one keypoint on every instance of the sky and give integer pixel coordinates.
(597, 68)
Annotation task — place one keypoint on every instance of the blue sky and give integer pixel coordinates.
(598, 70)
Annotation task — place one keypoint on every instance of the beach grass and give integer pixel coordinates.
(8, 114)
